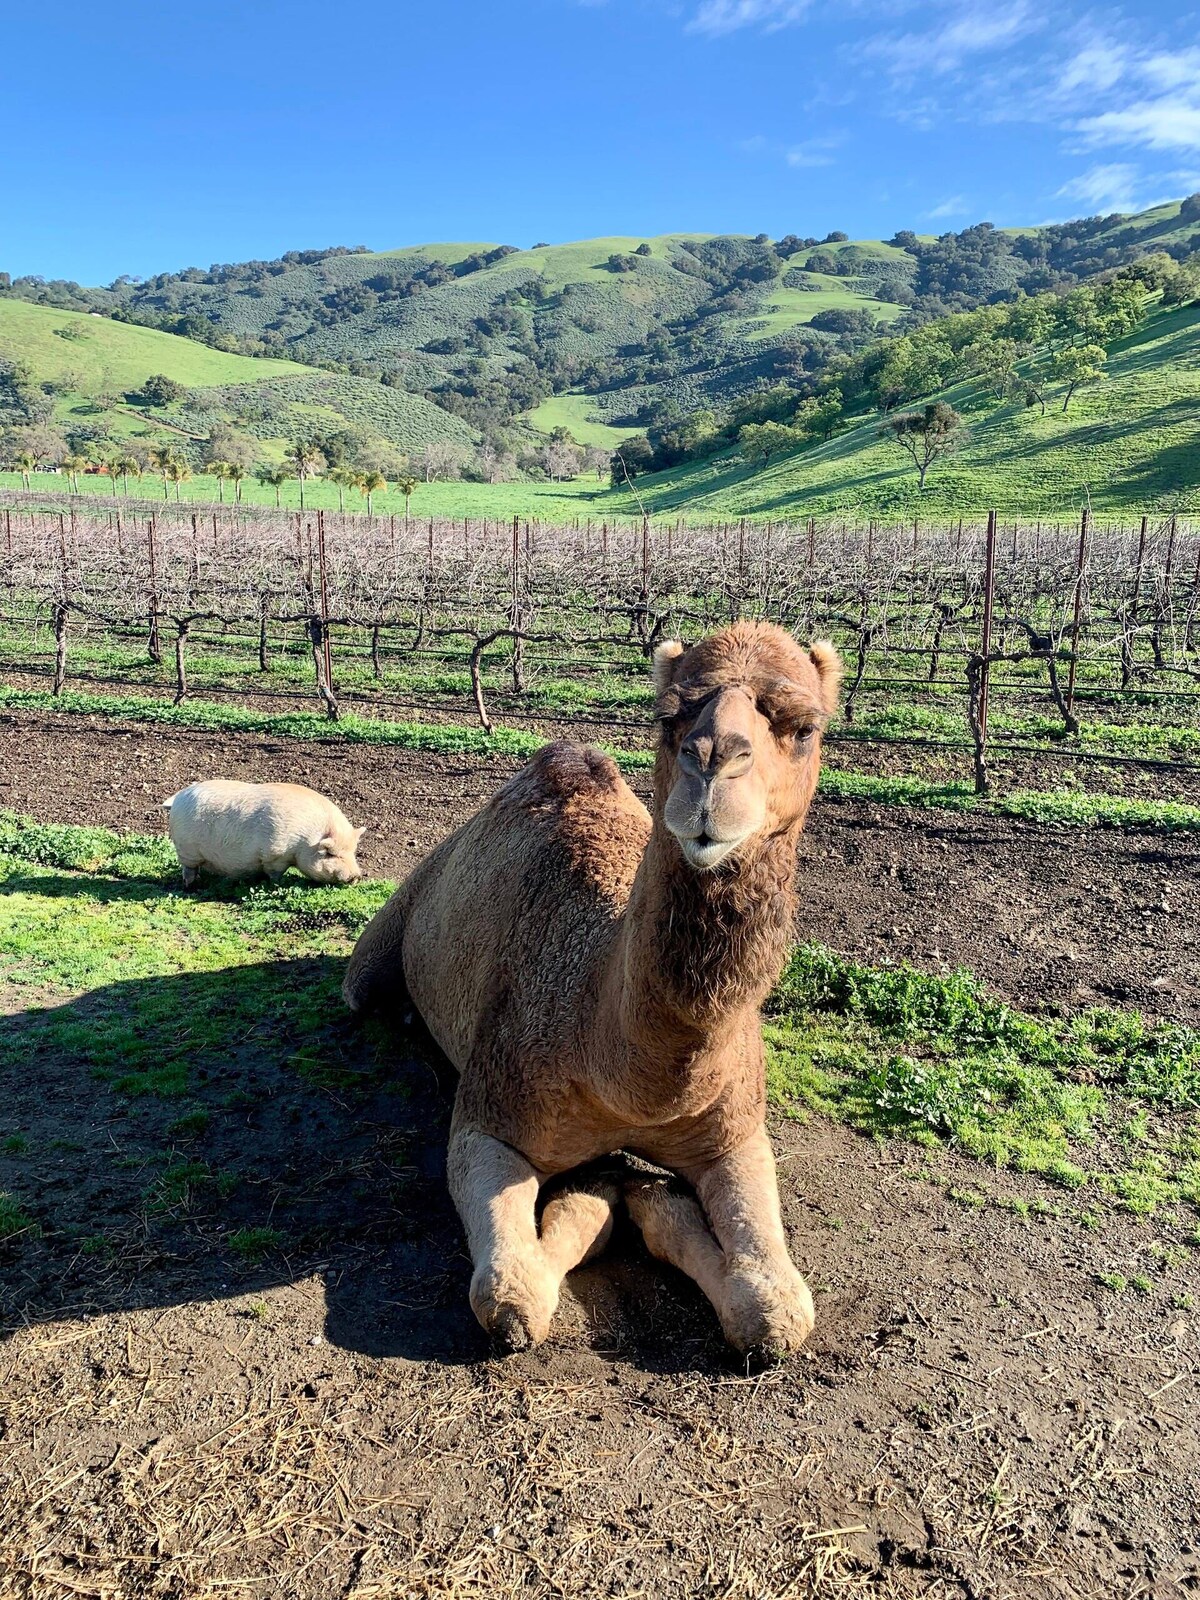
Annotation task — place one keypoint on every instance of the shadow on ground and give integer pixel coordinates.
(212, 1135)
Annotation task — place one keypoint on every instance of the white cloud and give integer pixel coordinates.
(1104, 188)
(1097, 66)
(1162, 124)
(955, 206)
(726, 16)
(812, 153)
(942, 50)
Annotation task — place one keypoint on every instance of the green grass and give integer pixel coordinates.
(1129, 442)
(576, 412)
(119, 356)
(1104, 1100)
(15, 1221)
(895, 1051)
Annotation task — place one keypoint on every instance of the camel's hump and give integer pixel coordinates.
(563, 769)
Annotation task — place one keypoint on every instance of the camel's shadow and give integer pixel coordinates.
(211, 1135)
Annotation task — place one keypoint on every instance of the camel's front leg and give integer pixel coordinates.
(518, 1273)
(735, 1248)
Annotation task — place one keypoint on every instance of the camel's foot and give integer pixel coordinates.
(767, 1312)
(514, 1303)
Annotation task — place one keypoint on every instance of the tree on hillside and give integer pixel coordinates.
(759, 441)
(925, 435)
(236, 473)
(1077, 364)
(562, 459)
(272, 478)
(158, 390)
(634, 456)
(26, 461)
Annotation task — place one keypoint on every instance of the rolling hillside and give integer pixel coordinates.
(91, 363)
(491, 347)
(1131, 441)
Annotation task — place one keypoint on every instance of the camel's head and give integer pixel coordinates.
(741, 715)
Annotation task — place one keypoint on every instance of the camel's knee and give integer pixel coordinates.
(514, 1297)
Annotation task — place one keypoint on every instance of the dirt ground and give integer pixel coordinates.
(976, 1415)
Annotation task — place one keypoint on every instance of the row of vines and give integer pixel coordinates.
(1059, 614)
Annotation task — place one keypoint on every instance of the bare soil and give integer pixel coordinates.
(977, 1415)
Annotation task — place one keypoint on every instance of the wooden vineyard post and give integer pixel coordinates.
(1078, 611)
(812, 540)
(153, 647)
(989, 599)
(326, 647)
(518, 651)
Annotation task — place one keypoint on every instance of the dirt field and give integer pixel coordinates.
(977, 1415)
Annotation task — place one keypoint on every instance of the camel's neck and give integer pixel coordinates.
(700, 950)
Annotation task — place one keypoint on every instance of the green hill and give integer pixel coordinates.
(88, 364)
(492, 348)
(1131, 441)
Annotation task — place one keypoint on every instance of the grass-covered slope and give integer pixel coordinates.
(1130, 441)
(91, 362)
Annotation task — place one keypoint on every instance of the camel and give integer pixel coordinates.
(594, 972)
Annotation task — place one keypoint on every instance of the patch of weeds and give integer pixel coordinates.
(1015, 1204)
(1115, 1281)
(1183, 1302)
(15, 1221)
(1091, 1220)
(252, 1244)
(14, 1144)
(972, 1199)
(937, 1059)
(1141, 1283)
(189, 1126)
(183, 1182)
(97, 1244)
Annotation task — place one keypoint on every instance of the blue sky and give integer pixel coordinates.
(150, 137)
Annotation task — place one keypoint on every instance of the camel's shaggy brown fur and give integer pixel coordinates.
(595, 973)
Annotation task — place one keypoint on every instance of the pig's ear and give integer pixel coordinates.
(358, 833)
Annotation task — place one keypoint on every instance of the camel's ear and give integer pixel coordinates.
(829, 669)
(665, 657)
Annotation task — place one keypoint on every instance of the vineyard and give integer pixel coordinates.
(981, 655)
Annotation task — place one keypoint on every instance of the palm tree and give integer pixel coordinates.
(73, 465)
(345, 479)
(406, 485)
(114, 467)
(236, 472)
(274, 478)
(220, 471)
(371, 483)
(164, 458)
(304, 460)
(26, 462)
(178, 472)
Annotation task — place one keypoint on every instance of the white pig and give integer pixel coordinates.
(237, 830)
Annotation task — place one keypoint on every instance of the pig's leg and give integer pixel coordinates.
(276, 867)
(191, 875)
